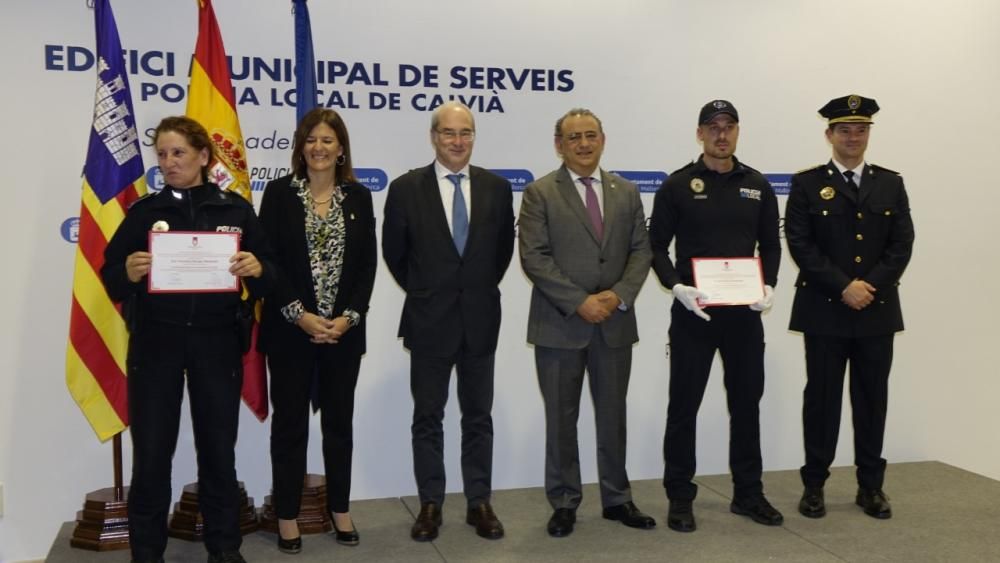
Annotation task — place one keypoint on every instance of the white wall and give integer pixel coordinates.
(645, 67)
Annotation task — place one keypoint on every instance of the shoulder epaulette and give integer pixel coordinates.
(811, 168)
(685, 167)
(145, 196)
(884, 169)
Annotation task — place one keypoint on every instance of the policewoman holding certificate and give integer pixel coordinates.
(715, 207)
(192, 332)
(321, 223)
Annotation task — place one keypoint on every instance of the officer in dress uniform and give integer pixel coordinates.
(849, 230)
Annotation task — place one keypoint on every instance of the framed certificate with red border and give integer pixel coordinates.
(192, 262)
(728, 281)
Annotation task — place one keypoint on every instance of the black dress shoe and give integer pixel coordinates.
(290, 547)
(226, 557)
(485, 520)
(345, 537)
(811, 505)
(561, 523)
(629, 515)
(875, 503)
(758, 509)
(680, 516)
(428, 522)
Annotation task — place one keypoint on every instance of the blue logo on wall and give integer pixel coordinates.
(154, 179)
(518, 178)
(70, 229)
(780, 183)
(648, 181)
(375, 179)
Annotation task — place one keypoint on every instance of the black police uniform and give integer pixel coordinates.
(836, 235)
(173, 334)
(714, 215)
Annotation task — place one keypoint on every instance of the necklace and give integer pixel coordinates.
(319, 202)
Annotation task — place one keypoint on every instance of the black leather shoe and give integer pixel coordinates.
(875, 503)
(758, 509)
(428, 522)
(561, 523)
(629, 515)
(680, 516)
(486, 522)
(290, 547)
(811, 505)
(345, 537)
(226, 557)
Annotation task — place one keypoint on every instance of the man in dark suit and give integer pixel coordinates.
(584, 246)
(849, 230)
(448, 237)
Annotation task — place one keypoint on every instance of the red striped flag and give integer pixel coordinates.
(211, 103)
(112, 179)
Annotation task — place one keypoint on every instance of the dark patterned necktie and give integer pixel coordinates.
(459, 214)
(849, 174)
(594, 208)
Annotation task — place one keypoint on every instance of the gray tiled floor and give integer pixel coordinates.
(941, 513)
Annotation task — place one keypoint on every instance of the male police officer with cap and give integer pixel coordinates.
(849, 230)
(715, 207)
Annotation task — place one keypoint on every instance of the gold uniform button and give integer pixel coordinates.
(857, 259)
(860, 215)
(825, 213)
(859, 236)
(887, 212)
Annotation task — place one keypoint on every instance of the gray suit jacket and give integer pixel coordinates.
(561, 255)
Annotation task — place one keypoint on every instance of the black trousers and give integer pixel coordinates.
(159, 356)
(292, 369)
(738, 335)
(429, 379)
(826, 360)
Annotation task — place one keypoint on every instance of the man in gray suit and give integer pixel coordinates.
(584, 245)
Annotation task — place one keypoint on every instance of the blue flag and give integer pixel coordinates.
(305, 63)
(113, 160)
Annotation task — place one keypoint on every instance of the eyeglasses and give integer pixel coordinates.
(451, 134)
(574, 138)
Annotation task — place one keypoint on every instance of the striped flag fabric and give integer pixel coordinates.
(211, 103)
(112, 180)
(305, 62)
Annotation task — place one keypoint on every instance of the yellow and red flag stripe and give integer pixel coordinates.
(211, 103)
(113, 178)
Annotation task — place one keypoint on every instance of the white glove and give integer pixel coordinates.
(689, 296)
(764, 305)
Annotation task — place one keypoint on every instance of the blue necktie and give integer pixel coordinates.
(459, 215)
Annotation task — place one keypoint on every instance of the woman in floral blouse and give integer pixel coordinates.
(320, 223)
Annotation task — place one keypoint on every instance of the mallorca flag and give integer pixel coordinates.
(112, 179)
(211, 103)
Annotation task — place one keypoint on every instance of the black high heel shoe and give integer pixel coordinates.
(290, 547)
(350, 538)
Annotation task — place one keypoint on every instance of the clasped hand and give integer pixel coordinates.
(598, 307)
(321, 330)
(858, 294)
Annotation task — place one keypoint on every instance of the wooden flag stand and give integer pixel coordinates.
(186, 522)
(313, 516)
(102, 525)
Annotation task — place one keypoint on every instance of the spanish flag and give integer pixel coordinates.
(112, 180)
(211, 103)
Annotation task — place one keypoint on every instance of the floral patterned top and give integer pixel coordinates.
(325, 242)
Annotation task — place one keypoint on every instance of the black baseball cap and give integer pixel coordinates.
(717, 107)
